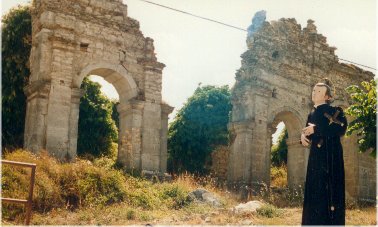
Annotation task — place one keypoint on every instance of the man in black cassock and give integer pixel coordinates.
(324, 197)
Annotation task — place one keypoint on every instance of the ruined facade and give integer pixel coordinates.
(282, 64)
(76, 38)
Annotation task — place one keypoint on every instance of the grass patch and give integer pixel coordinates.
(269, 211)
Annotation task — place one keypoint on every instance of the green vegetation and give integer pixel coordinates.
(198, 128)
(97, 129)
(364, 111)
(279, 150)
(83, 184)
(269, 211)
(15, 51)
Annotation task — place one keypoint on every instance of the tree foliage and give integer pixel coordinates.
(279, 150)
(15, 50)
(364, 111)
(198, 128)
(97, 129)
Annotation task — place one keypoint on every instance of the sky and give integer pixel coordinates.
(197, 51)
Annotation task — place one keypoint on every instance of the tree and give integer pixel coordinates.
(364, 111)
(97, 129)
(198, 128)
(279, 150)
(16, 46)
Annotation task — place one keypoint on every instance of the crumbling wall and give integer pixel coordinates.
(282, 64)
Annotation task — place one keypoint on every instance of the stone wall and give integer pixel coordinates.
(282, 64)
(76, 38)
(219, 160)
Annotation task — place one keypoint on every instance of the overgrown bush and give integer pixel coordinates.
(82, 184)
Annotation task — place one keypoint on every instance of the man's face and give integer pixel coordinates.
(318, 94)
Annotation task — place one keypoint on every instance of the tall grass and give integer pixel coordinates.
(83, 184)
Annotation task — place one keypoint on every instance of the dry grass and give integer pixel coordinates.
(143, 202)
(194, 215)
(278, 176)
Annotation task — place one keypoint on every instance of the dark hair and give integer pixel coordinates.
(326, 83)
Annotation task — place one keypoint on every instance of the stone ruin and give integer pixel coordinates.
(278, 71)
(76, 38)
(72, 39)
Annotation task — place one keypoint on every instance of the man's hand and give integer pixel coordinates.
(308, 130)
(304, 140)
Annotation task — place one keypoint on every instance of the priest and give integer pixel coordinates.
(324, 195)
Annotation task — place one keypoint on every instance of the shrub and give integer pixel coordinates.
(176, 195)
(99, 187)
(67, 185)
(269, 211)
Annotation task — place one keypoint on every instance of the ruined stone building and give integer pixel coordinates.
(72, 39)
(282, 64)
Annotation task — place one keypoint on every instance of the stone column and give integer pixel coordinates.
(296, 163)
(165, 111)
(76, 94)
(151, 140)
(58, 120)
(260, 154)
(36, 111)
(130, 137)
(239, 164)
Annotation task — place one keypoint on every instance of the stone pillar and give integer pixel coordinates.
(58, 121)
(165, 111)
(152, 112)
(296, 163)
(76, 94)
(239, 165)
(36, 111)
(150, 157)
(260, 154)
(130, 137)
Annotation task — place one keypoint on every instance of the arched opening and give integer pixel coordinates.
(98, 120)
(125, 88)
(106, 88)
(116, 75)
(278, 166)
(295, 165)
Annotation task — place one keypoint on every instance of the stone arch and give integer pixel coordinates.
(297, 155)
(73, 41)
(116, 75)
(290, 115)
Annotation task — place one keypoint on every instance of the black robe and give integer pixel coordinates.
(324, 196)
